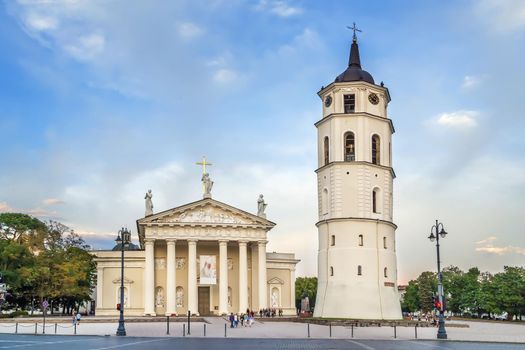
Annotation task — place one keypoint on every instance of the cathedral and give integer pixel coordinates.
(209, 258)
(357, 268)
(204, 257)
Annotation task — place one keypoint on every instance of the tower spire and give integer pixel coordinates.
(354, 60)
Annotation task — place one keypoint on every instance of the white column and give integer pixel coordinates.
(192, 277)
(255, 278)
(149, 278)
(292, 290)
(243, 277)
(263, 297)
(171, 308)
(223, 277)
(100, 286)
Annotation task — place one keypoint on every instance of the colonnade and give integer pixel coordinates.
(149, 276)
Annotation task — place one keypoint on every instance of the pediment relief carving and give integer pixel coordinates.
(208, 214)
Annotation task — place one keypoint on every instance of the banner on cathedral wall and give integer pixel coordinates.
(208, 269)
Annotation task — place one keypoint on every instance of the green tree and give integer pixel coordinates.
(308, 286)
(44, 260)
(22, 228)
(453, 285)
(427, 287)
(410, 302)
(510, 286)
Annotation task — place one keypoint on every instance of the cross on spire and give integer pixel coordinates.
(203, 163)
(354, 29)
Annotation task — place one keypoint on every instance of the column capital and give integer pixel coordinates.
(149, 240)
(192, 241)
(223, 241)
(171, 241)
(262, 243)
(243, 242)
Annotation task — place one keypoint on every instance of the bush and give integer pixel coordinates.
(18, 313)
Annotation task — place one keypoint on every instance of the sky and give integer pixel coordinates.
(102, 100)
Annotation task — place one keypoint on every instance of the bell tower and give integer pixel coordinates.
(357, 264)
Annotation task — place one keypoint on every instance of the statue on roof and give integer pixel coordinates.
(261, 207)
(149, 203)
(207, 185)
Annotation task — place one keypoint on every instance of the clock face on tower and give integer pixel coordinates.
(373, 98)
(328, 101)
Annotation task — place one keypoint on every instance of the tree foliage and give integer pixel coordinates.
(44, 260)
(470, 293)
(306, 286)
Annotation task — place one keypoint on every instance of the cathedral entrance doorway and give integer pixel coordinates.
(204, 301)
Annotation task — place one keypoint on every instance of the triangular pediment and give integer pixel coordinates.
(276, 280)
(205, 212)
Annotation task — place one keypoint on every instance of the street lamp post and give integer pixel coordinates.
(442, 333)
(124, 243)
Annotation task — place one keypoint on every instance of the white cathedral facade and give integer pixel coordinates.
(204, 257)
(357, 268)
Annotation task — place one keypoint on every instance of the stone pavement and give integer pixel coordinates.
(215, 327)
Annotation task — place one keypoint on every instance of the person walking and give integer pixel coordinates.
(74, 320)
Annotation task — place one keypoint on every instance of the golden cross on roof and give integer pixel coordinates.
(355, 29)
(203, 163)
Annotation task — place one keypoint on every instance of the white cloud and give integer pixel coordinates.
(220, 60)
(42, 213)
(86, 47)
(502, 16)
(52, 201)
(307, 39)
(458, 119)
(279, 8)
(488, 247)
(470, 82)
(40, 23)
(225, 76)
(4, 207)
(488, 240)
(39, 212)
(189, 30)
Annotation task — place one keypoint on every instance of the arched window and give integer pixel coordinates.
(332, 242)
(384, 242)
(360, 240)
(359, 270)
(376, 147)
(331, 270)
(349, 147)
(386, 272)
(326, 150)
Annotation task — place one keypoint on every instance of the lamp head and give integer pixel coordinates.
(118, 240)
(432, 237)
(443, 233)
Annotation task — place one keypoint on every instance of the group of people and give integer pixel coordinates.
(270, 312)
(245, 319)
